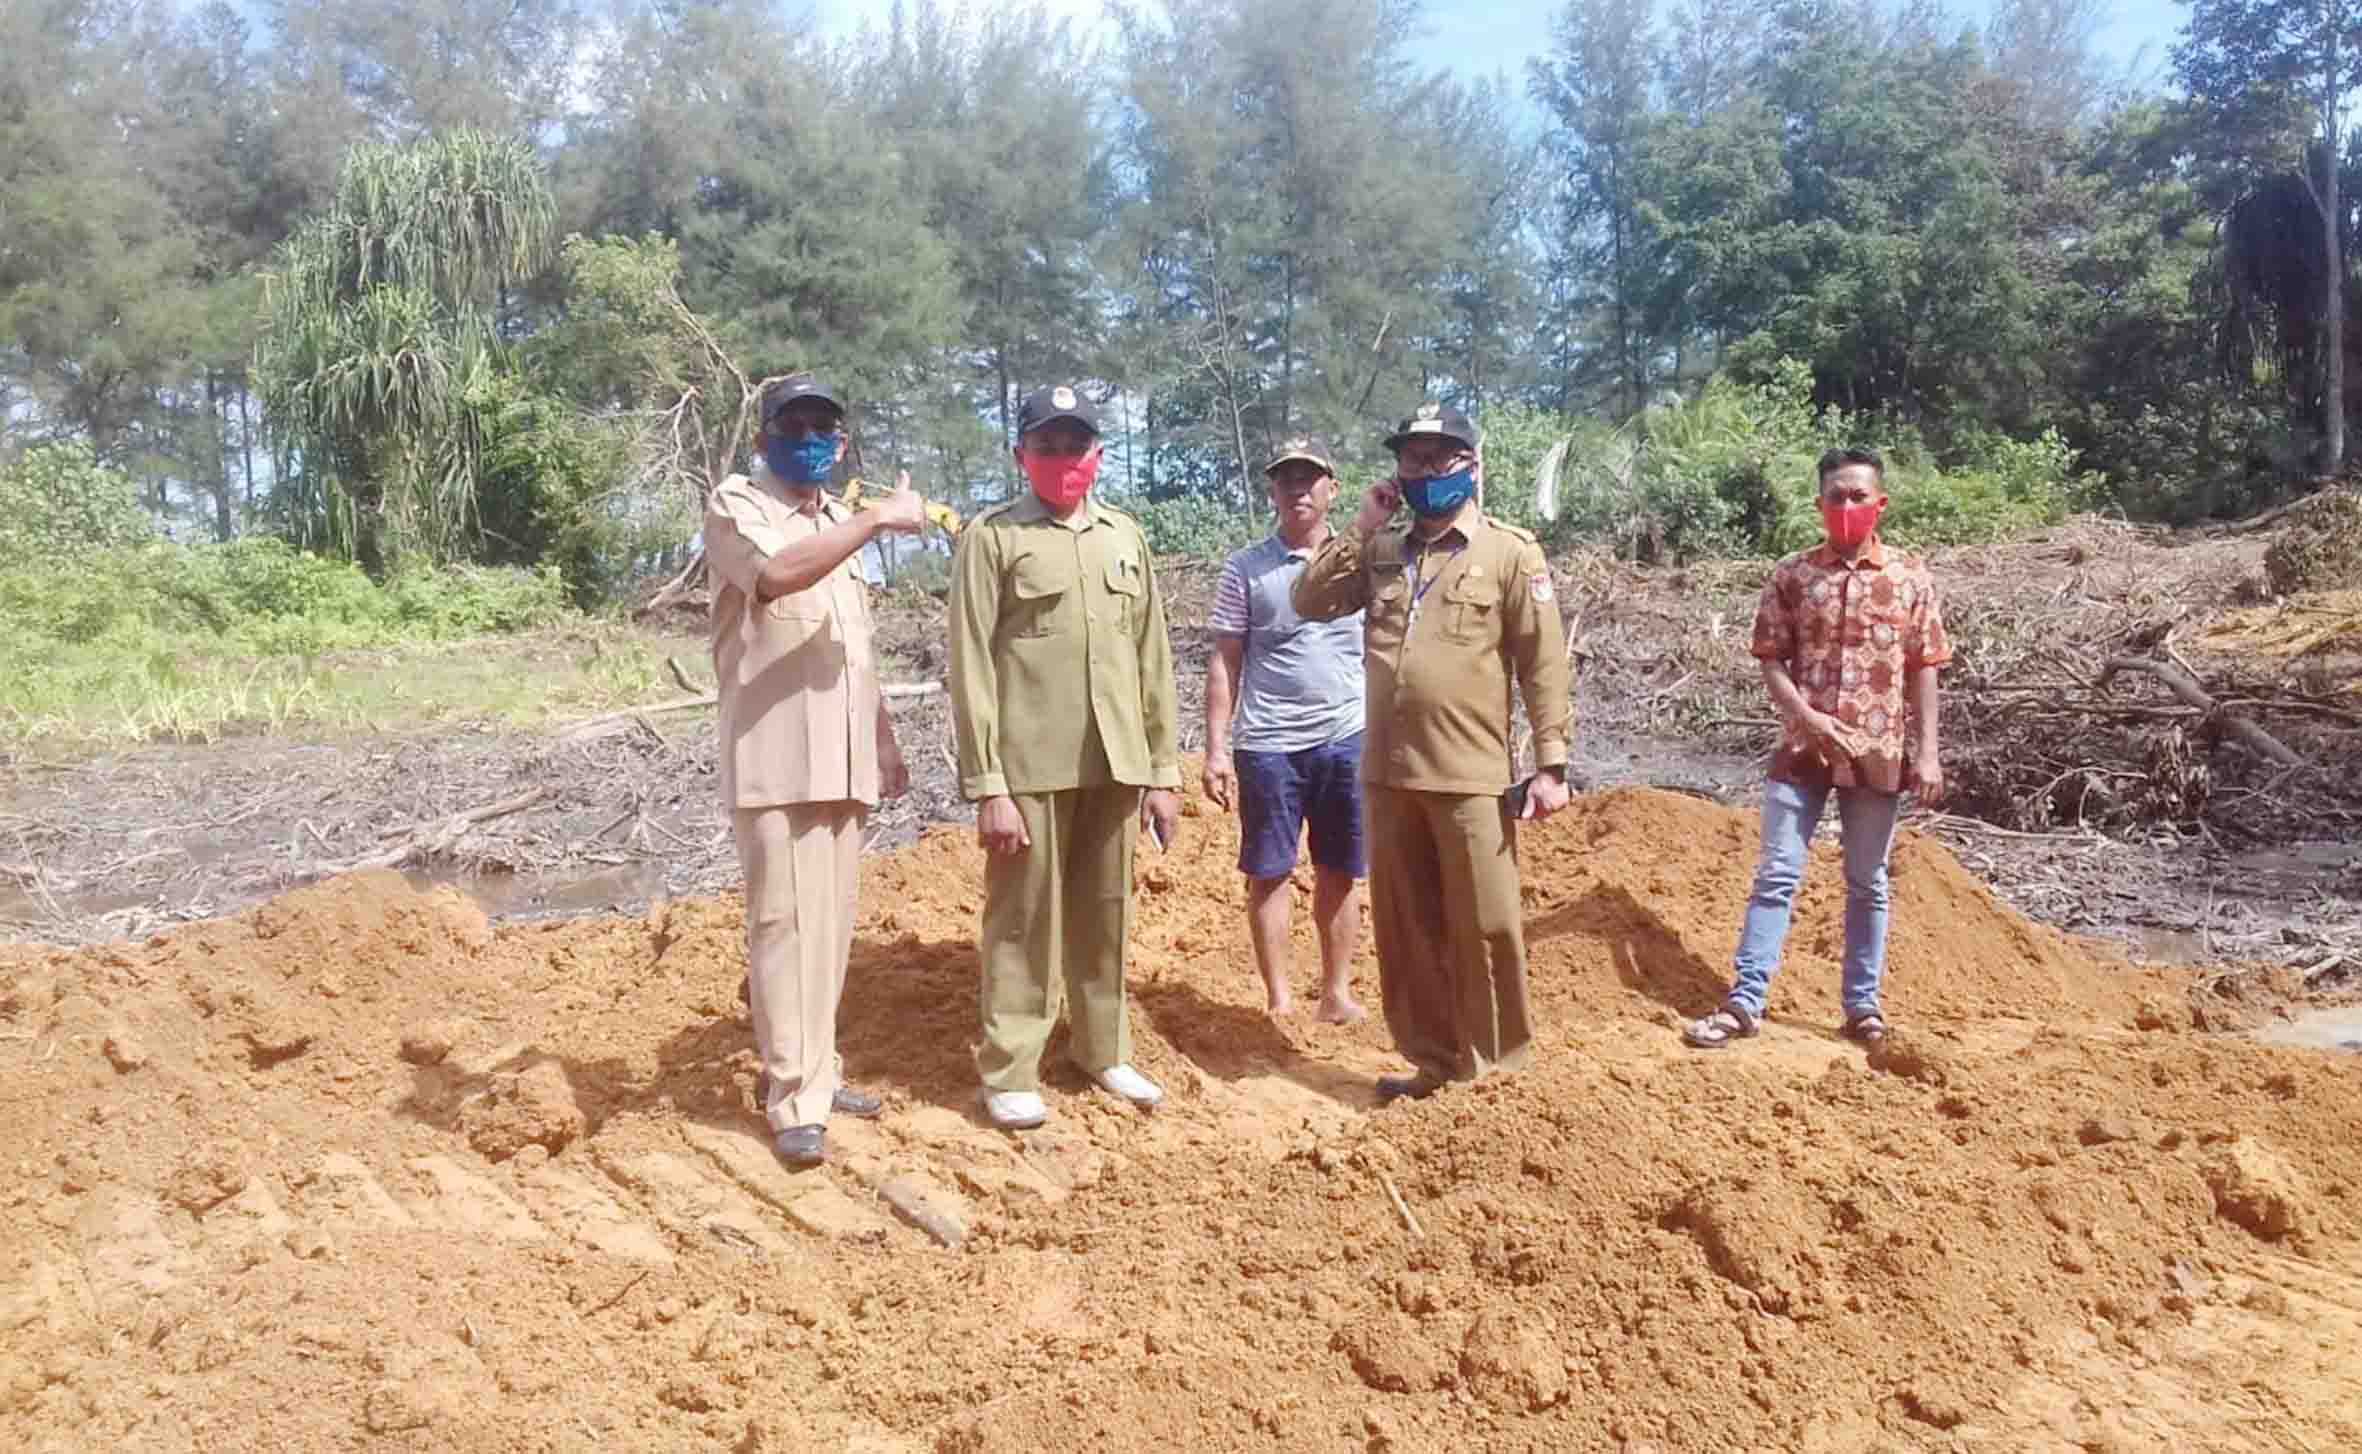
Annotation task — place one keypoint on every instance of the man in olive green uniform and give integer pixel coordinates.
(807, 749)
(1062, 695)
(1459, 609)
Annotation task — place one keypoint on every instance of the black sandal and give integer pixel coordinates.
(1718, 1030)
(1867, 1029)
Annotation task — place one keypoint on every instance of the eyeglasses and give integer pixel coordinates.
(803, 426)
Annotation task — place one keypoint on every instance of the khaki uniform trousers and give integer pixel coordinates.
(803, 864)
(1450, 931)
(1056, 918)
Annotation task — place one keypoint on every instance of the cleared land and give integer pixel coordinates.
(357, 1166)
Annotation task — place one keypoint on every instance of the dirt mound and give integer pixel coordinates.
(352, 1170)
(2318, 545)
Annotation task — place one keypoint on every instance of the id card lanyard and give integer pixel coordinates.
(1422, 583)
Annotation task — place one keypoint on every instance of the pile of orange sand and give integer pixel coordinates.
(354, 1170)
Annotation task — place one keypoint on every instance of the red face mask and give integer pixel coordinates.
(1061, 480)
(1850, 524)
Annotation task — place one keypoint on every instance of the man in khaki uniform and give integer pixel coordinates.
(1459, 609)
(807, 749)
(1062, 695)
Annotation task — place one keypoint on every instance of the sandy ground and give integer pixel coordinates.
(356, 1169)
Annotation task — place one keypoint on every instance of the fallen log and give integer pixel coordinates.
(2185, 689)
(427, 842)
(592, 726)
(675, 590)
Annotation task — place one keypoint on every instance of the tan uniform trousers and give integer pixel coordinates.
(803, 864)
(1450, 930)
(1056, 918)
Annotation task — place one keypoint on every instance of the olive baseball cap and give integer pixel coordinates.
(1310, 448)
(1434, 418)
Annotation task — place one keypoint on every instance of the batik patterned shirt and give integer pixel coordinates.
(1851, 634)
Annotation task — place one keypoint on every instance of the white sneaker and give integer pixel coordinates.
(1124, 1081)
(1014, 1110)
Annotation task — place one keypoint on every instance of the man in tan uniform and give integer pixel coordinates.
(1459, 608)
(807, 749)
(1062, 695)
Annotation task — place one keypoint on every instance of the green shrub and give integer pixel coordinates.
(57, 500)
(474, 600)
(264, 596)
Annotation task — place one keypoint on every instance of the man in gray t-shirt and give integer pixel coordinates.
(1293, 760)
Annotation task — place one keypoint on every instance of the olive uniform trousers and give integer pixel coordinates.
(1056, 918)
(1450, 931)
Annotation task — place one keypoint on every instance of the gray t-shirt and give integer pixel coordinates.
(1301, 682)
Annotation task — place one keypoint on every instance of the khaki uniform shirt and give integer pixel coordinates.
(1449, 628)
(1061, 669)
(797, 674)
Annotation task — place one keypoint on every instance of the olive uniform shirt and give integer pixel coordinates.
(1061, 668)
(1449, 627)
(797, 676)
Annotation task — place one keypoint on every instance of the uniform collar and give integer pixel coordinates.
(777, 488)
(1872, 556)
(1029, 510)
(1463, 525)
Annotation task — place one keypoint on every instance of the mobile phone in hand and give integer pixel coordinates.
(1513, 798)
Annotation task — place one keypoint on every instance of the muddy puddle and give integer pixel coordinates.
(2337, 1029)
(554, 893)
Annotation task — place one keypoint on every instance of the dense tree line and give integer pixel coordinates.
(484, 279)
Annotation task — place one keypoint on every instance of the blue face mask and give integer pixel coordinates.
(804, 461)
(1441, 495)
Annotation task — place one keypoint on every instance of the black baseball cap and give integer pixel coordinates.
(1058, 401)
(794, 389)
(1434, 418)
(1310, 448)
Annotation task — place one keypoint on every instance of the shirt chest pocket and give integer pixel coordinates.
(803, 611)
(1389, 608)
(1474, 607)
(1040, 587)
(1126, 584)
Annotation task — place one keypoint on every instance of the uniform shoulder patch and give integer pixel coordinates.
(1538, 586)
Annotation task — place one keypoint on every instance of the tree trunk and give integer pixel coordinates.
(2333, 400)
(1618, 220)
(246, 446)
(224, 524)
(1287, 348)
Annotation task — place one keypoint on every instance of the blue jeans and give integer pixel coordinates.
(1867, 829)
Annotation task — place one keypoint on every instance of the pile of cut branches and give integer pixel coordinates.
(2107, 692)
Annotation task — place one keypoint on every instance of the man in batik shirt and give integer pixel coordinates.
(1850, 638)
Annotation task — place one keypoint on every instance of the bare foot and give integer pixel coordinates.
(1340, 1012)
(1281, 1007)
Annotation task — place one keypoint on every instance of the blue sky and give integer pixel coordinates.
(1480, 37)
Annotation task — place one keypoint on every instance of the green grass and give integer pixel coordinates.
(60, 699)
